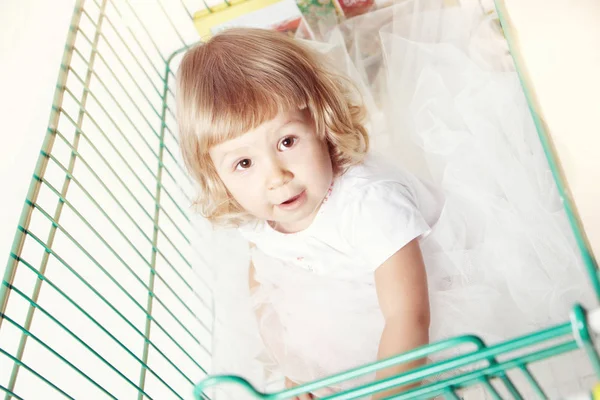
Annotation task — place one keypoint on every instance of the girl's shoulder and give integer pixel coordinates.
(376, 210)
(378, 191)
(374, 178)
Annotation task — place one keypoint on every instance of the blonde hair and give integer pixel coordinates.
(242, 78)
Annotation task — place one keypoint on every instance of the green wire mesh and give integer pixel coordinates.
(505, 370)
(104, 295)
(107, 292)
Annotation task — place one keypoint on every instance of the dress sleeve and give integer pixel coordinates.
(379, 220)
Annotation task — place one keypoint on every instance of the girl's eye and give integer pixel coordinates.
(244, 164)
(287, 143)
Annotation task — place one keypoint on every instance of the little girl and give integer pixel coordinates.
(278, 145)
(340, 240)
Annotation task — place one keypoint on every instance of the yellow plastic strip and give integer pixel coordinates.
(596, 392)
(205, 20)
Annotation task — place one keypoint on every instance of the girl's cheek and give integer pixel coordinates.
(298, 153)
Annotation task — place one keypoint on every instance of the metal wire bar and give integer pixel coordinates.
(181, 169)
(117, 103)
(34, 372)
(147, 34)
(132, 148)
(174, 28)
(134, 37)
(98, 324)
(116, 175)
(582, 334)
(114, 147)
(141, 136)
(135, 174)
(108, 67)
(533, 382)
(46, 155)
(153, 265)
(512, 389)
(172, 114)
(425, 391)
(490, 388)
(119, 154)
(41, 164)
(54, 352)
(591, 265)
(122, 40)
(127, 294)
(145, 29)
(190, 16)
(448, 394)
(28, 333)
(418, 374)
(125, 68)
(467, 359)
(110, 305)
(124, 43)
(136, 277)
(57, 213)
(10, 393)
(468, 379)
(111, 194)
(121, 206)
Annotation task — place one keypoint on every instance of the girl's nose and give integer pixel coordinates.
(278, 175)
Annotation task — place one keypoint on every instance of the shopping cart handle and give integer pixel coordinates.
(593, 318)
(223, 379)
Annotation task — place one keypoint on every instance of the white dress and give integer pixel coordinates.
(320, 313)
(446, 105)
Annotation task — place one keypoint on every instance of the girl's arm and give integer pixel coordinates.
(401, 284)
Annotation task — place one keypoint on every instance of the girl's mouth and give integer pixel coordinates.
(294, 202)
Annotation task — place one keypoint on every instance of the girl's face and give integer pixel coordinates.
(279, 172)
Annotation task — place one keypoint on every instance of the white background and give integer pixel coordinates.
(32, 37)
(559, 43)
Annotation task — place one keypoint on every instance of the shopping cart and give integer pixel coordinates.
(107, 292)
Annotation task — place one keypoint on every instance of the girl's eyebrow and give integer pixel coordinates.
(290, 121)
(227, 155)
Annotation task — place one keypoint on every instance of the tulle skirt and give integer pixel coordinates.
(446, 104)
